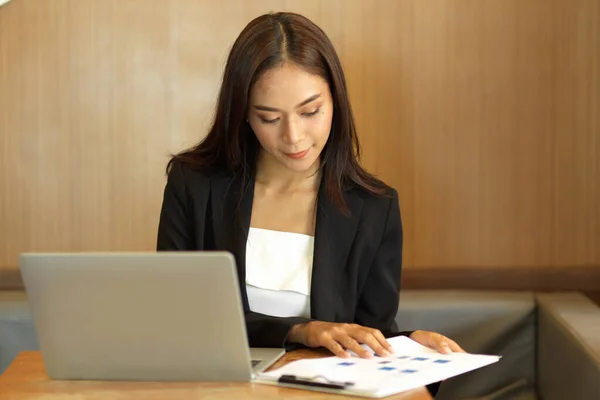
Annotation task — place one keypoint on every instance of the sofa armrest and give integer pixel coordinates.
(568, 347)
(17, 331)
(485, 322)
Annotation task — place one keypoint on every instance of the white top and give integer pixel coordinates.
(278, 272)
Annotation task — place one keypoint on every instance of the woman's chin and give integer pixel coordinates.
(299, 166)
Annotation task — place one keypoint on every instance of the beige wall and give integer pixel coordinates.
(484, 115)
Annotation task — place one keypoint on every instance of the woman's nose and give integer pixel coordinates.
(292, 133)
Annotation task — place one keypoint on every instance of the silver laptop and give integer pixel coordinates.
(160, 316)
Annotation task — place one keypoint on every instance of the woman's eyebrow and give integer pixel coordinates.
(303, 103)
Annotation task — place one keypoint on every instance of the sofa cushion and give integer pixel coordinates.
(484, 322)
(520, 390)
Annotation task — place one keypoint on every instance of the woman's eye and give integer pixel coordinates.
(310, 114)
(269, 121)
(272, 121)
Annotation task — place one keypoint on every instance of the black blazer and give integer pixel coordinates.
(357, 259)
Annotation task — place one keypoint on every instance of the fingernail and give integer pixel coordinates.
(386, 353)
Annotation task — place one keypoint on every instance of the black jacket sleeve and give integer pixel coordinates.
(175, 228)
(269, 331)
(378, 302)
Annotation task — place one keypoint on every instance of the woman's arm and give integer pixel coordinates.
(378, 303)
(175, 227)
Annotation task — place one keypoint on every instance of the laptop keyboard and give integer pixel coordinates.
(255, 363)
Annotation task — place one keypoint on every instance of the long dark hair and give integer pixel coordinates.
(266, 42)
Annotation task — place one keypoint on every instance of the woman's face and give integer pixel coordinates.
(290, 112)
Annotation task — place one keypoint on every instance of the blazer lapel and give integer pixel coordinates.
(334, 235)
(230, 224)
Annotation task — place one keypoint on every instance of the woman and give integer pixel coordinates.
(317, 239)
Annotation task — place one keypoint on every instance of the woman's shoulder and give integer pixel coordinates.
(377, 204)
(183, 171)
(378, 195)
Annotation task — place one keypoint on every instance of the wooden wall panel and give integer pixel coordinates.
(484, 115)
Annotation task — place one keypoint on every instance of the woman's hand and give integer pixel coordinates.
(436, 341)
(339, 337)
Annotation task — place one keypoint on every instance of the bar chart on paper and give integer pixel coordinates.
(410, 366)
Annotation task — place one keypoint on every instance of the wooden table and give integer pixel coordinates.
(26, 378)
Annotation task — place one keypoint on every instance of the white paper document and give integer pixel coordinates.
(410, 366)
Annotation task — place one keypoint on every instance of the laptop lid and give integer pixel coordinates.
(166, 316)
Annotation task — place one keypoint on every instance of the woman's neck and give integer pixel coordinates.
(270, 173)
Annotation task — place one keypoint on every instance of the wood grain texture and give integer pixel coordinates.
(485, 115)
(26, 378)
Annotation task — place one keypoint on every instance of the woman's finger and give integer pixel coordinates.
(382, 340)
(446, 346)
(333, 346)
(366, 337)
(454, 346)
(443, 347)
(351, 344)
(440, 344)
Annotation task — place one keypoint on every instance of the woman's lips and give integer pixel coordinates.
(299, 155)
